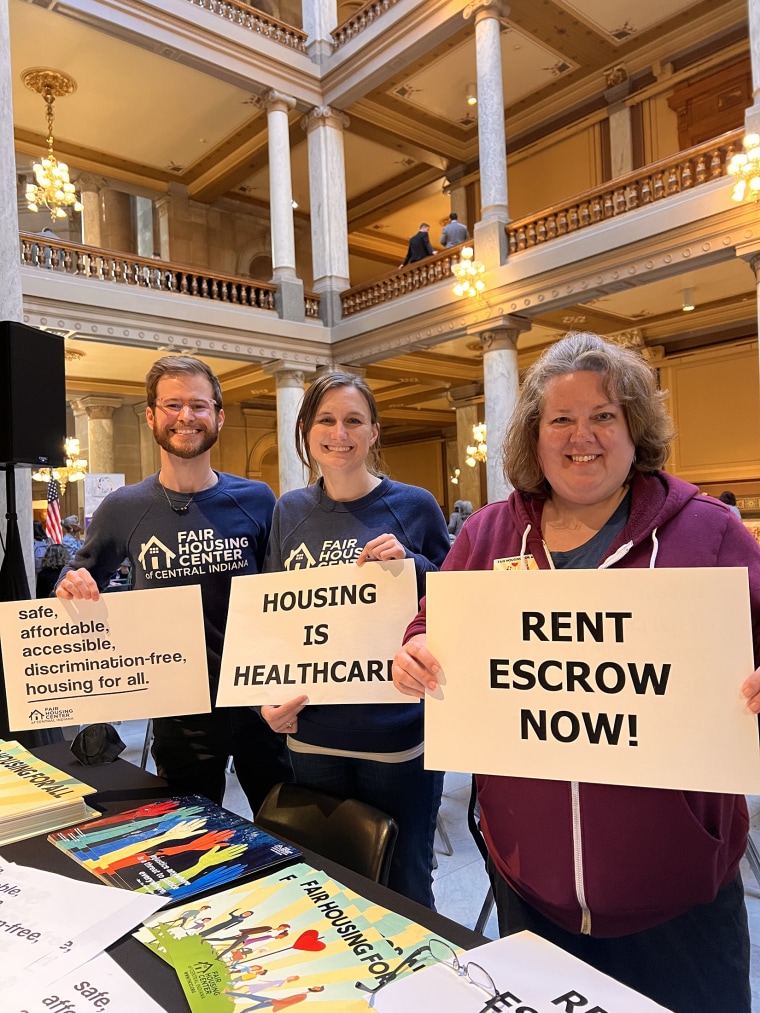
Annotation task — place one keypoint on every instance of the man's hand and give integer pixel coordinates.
(79, 585)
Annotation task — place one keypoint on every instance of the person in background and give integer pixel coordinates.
(51, 564)
(226, 515)
(71, 531)
(641, 883)
(462, 510)
(419, 246)
(455, 232)
(41, 543)
(729, 499)
(371, 752)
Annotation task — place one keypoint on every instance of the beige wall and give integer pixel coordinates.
(715, 403)
(555, 169)
(418, 464)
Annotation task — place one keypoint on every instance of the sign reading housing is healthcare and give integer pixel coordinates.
(124, 656)
(327, 632)
(613, 676)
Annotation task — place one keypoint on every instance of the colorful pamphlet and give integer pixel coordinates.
(175, 848)
(36, 797)
(294, 937)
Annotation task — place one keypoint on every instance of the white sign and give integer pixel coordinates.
(329, 631)
(609, 676)
(529, 974)
(96, 488)
(125, 656)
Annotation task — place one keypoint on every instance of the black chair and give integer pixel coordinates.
(473, 822)
(345, 830)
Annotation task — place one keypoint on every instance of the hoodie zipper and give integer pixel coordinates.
(575, 801)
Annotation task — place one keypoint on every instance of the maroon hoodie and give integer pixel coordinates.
(639, 856)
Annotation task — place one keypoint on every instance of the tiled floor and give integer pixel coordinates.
(460, 879)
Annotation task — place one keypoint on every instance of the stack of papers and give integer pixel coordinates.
(174, 848)
(296, 936)
(54, 932)
(36, 797)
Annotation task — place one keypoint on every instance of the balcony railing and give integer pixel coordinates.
(107, 265)
(241, 13)
(408, 279)
(360, 20)
(655, 182)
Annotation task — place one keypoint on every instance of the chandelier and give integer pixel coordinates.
(467, 273)
(479, 453)
(745, 167)
(73, 471)
(52, 188)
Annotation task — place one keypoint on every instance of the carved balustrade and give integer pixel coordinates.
(107, 265)
(402, 282)
(655, 182)
(241, 13)
(360, 20)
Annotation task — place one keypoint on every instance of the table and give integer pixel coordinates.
(121, 785)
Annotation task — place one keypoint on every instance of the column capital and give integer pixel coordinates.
(286, 374)
(100, 407)
(750, 253)
(276, 101)
(486, 9)
(502, 334)
(89, 183)
(325, 116)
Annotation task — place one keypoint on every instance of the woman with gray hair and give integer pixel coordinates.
(641, 883)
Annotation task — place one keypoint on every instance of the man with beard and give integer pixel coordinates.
(189, 524)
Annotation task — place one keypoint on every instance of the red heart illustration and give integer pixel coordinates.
(309, 940)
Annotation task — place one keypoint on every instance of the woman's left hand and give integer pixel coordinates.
(751, 691)
(382, 547)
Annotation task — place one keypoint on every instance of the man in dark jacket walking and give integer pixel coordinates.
(419, 246)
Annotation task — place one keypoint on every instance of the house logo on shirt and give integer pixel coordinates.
(300, 559)
(155, 555)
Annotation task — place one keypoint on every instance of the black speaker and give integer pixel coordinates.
(32, 396)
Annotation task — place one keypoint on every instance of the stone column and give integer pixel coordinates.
(467, 400)
(320, 17)
(751, 254)
(329, 218)
(489, 232)
(181, 228)
(100, 432)
(619, 118)
(116, 228)
(148, 463)
(501, 385)
(89, 188)
(289, 298)
(752, 115)
(290, 385)
(11, 301)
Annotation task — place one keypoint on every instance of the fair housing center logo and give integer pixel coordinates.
(334, 550)
(195, 553)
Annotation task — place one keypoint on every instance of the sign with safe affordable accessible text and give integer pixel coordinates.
(329, 632)
(609, 676)
(125, 656)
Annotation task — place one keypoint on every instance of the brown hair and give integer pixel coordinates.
(627, 379)
(182, 366)
(307, 413)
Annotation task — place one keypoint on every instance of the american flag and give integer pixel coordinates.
(53, 528)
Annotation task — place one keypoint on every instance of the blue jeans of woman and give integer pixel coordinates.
(405, 791)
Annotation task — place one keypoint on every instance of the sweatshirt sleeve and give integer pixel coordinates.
(105, 546)
(739, 548)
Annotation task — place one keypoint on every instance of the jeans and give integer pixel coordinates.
(191, 752)
(405, 791)
(695, 963)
